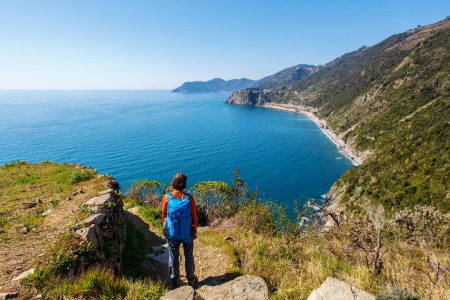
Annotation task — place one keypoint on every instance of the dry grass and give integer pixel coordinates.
(293, 268)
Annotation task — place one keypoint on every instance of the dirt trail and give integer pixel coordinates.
(211, 263)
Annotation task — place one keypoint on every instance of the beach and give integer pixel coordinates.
(346, 149)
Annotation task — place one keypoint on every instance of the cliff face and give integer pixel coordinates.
(391, 99)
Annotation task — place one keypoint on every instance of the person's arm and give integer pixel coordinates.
(194, 214)
(164, 208)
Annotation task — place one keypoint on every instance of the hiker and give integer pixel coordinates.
(179, 217)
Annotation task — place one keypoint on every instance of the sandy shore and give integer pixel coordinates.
(346, 149)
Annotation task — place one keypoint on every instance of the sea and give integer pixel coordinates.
(153, 134)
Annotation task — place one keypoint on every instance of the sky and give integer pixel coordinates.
(145, 44)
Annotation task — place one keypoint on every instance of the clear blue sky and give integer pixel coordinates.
(90, 44)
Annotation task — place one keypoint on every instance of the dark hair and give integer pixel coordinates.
(179, 181)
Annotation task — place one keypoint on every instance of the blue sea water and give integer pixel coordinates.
(154, 134)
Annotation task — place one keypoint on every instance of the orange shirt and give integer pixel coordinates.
(180, 195)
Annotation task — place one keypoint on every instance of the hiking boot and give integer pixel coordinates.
(173, 283)
(193, 282)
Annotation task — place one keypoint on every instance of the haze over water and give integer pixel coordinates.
(154, 134)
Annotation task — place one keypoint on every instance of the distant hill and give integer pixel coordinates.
(278, 80)
(391, 100)
(287, 76)
(214, 85)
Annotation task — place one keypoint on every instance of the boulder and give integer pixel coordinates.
(89, 234)
(23, 275)
(182, 293)
(333, 289)
(96, 219)
(101, 200)
(243, 287)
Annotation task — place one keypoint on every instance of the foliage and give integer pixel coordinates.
(147, 192)
(152, 216)
(219, 200)
(83, 174)
(397, 294)
(423, 225)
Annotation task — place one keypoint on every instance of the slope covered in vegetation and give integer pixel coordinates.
(392, 100)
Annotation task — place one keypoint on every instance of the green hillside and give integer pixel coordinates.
(390, 100)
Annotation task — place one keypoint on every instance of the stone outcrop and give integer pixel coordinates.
(182, 293)
(104, 229)
(333, 289)
(23, 275)
(243, 287)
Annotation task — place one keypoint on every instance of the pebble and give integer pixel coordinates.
(47, 212)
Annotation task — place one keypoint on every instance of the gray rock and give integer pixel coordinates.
(107, 191)
(23, 275)
(89, 234)
(333, 289)
(161, 258)
(96, 219)
(182, 293)
(24, 229)
(243, 287)
(101, 200)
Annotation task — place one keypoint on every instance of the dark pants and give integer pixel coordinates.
(174, 259)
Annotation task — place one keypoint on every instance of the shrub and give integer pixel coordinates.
(423, 225)
(219, 200)
(153, 216)
(257, 217)
(81, 175)
(397, 294)
(147, 192)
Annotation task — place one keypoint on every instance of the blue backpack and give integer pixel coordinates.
(179, 220)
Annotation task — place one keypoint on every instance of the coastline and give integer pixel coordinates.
(343, 147)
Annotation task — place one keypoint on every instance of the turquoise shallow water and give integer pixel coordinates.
(154, 134)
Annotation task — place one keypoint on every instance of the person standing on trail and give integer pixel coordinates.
(179, 217)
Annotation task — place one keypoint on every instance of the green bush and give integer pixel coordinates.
(81, 175)
(152, 216)
(219, 200)
(147, 192)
